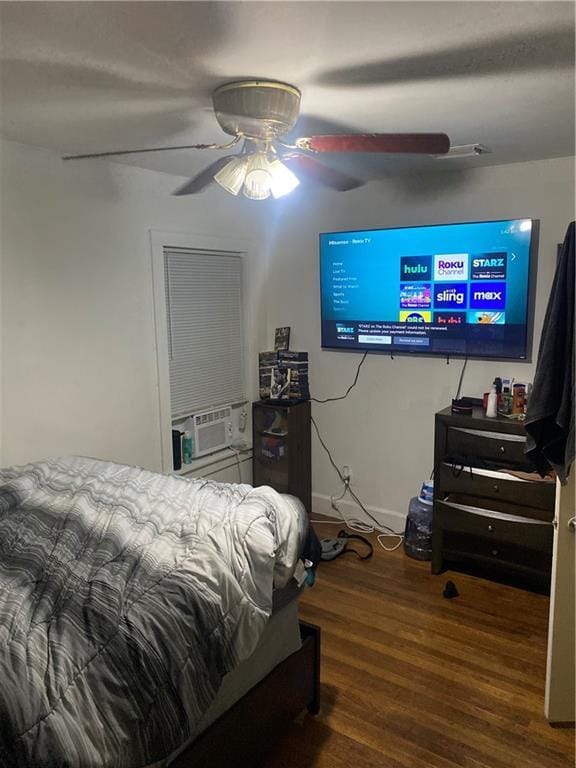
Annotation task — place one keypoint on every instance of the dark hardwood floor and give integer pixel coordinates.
(413, 680)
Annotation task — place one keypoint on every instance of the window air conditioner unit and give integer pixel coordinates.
(212, 430)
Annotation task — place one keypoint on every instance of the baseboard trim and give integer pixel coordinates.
(321, 505)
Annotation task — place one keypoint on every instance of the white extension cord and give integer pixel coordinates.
(356, 525)
(237, 451)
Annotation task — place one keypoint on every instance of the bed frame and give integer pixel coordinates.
(247, 732)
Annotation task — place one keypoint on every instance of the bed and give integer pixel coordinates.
(145, 616)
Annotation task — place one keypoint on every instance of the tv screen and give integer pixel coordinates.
(453, 289)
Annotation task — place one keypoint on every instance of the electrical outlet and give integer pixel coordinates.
(346, 473)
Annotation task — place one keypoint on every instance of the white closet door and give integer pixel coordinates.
(560, 703)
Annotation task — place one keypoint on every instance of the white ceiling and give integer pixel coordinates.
(95, 76)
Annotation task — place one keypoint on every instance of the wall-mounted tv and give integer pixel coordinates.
(453, 289)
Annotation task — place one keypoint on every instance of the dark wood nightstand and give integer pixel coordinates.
(282, 448)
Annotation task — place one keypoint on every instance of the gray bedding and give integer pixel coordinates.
(125, 597)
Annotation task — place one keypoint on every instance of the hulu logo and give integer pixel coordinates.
(415, 267)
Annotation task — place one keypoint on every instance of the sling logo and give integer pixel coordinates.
(452, 266)
(415, 267)
(489, 266)
(450, 296)
(488, 296)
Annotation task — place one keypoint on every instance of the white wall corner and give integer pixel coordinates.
(322, 505)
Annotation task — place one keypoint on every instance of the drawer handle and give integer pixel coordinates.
(502, 449)
(496, 487)
(490, 528)
(494, 552)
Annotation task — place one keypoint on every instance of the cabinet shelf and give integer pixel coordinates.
(269, 461)
(284, 431)
(268, 433)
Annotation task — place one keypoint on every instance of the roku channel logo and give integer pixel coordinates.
(451, 266)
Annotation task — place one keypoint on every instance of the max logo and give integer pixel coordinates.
(488, 296)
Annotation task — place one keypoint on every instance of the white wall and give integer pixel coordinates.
(384, 430)
(77, 334)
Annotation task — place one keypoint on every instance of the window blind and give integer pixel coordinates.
(204, 320)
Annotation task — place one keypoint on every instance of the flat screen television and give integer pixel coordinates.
(453, 289)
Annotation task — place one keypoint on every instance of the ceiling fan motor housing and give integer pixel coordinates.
(260, 109)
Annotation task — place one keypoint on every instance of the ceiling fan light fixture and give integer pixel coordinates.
(283, 180)
(257, 185)
(232, 176)
(257, 176)
(258, 179)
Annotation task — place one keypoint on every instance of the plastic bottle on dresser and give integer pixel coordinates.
(492, 407)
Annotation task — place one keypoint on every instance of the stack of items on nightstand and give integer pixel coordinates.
(284, 375)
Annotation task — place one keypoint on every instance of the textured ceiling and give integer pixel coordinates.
(81, 77)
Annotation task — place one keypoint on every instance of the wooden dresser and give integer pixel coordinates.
(482, 516)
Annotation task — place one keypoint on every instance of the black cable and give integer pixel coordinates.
(347, 483)
(461, 377)
(350, 388)
(323, 444)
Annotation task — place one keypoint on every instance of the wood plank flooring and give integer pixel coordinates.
(413, 680)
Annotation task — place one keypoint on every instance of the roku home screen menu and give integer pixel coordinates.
(456, 288)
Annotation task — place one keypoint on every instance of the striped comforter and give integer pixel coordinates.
(125, 596)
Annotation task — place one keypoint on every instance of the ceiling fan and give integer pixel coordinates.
(259, 113)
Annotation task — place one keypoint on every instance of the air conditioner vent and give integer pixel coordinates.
(212, 430)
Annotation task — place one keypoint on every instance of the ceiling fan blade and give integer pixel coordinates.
(309, 167)
(153, 149)
(204, 178)
(408, 143)
(543, 49)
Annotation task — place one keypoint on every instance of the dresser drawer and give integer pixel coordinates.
(467, 444)
(492, 526)
(501, 555)
(537, 495)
